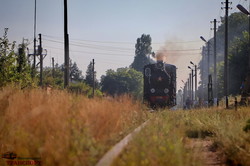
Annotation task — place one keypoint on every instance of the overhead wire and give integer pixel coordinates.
(100, 59)
(119, 54)
(118, 42)
(87, 51)
(109, 48)
(102, 53)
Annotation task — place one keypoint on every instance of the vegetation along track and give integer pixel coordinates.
(113, 153)
(109, 157)
(201, 137)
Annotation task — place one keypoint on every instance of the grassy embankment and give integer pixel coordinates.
(166, 139)
(61, 128)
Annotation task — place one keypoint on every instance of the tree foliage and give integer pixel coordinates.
(238, 53)
(14, 68)
(75, 73)
(57, 80)
(142, 52)
(122, 81)
(238, 63)
(84, 89)
(89, 76)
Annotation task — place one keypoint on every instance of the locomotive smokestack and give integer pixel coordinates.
(161, 56)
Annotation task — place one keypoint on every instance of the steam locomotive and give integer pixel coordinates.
(160, 85)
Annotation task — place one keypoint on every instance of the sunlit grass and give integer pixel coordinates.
(165, 140)
(61, 128)
(66, 129)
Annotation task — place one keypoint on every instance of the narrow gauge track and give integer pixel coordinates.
(113, 153)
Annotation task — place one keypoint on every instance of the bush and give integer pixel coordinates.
(84, 89)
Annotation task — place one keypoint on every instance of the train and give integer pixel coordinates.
(159, 85)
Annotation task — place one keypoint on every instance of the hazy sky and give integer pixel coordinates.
(106, 30)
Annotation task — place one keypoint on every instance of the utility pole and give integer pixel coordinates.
(66, 46)
(53, 67)
(192, 88)
(210, 90)
(226, 54)
(202, 75)
(208, 58)
(190, 85)
(192, 81)
(34, 55)
(184, 93)
(195, 72)
(41, 59)
(215, 62)
(93, 73)
(185, 88)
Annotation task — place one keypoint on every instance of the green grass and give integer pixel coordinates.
(164, 141)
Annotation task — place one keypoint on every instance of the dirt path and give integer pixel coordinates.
(203, 149)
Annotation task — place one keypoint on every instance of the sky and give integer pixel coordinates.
(106, 30)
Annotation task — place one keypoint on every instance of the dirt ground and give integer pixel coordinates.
(204, 150)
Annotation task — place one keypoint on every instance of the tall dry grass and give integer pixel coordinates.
(61, 128)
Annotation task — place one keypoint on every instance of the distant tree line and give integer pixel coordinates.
(15, 69)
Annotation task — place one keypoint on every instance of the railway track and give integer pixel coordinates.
(113, 153)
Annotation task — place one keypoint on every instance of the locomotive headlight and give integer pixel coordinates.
(166, 90)
(152, 90)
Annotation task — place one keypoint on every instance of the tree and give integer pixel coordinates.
(83, 89)
(14, 68)
(89, 76)
(238, 23)
(23, 68)
(7, 59)
(75, 73)
(21, 58)
(122, 81)
(58, 79)
(142, 50)
(238, 63)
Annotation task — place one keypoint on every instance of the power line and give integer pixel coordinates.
(98, 53)
(106, 62)
(121, 42)
(90, 52)
(89, 45)
(168, 51)
(109, 48)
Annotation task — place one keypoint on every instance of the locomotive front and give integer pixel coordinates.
(159, 84)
